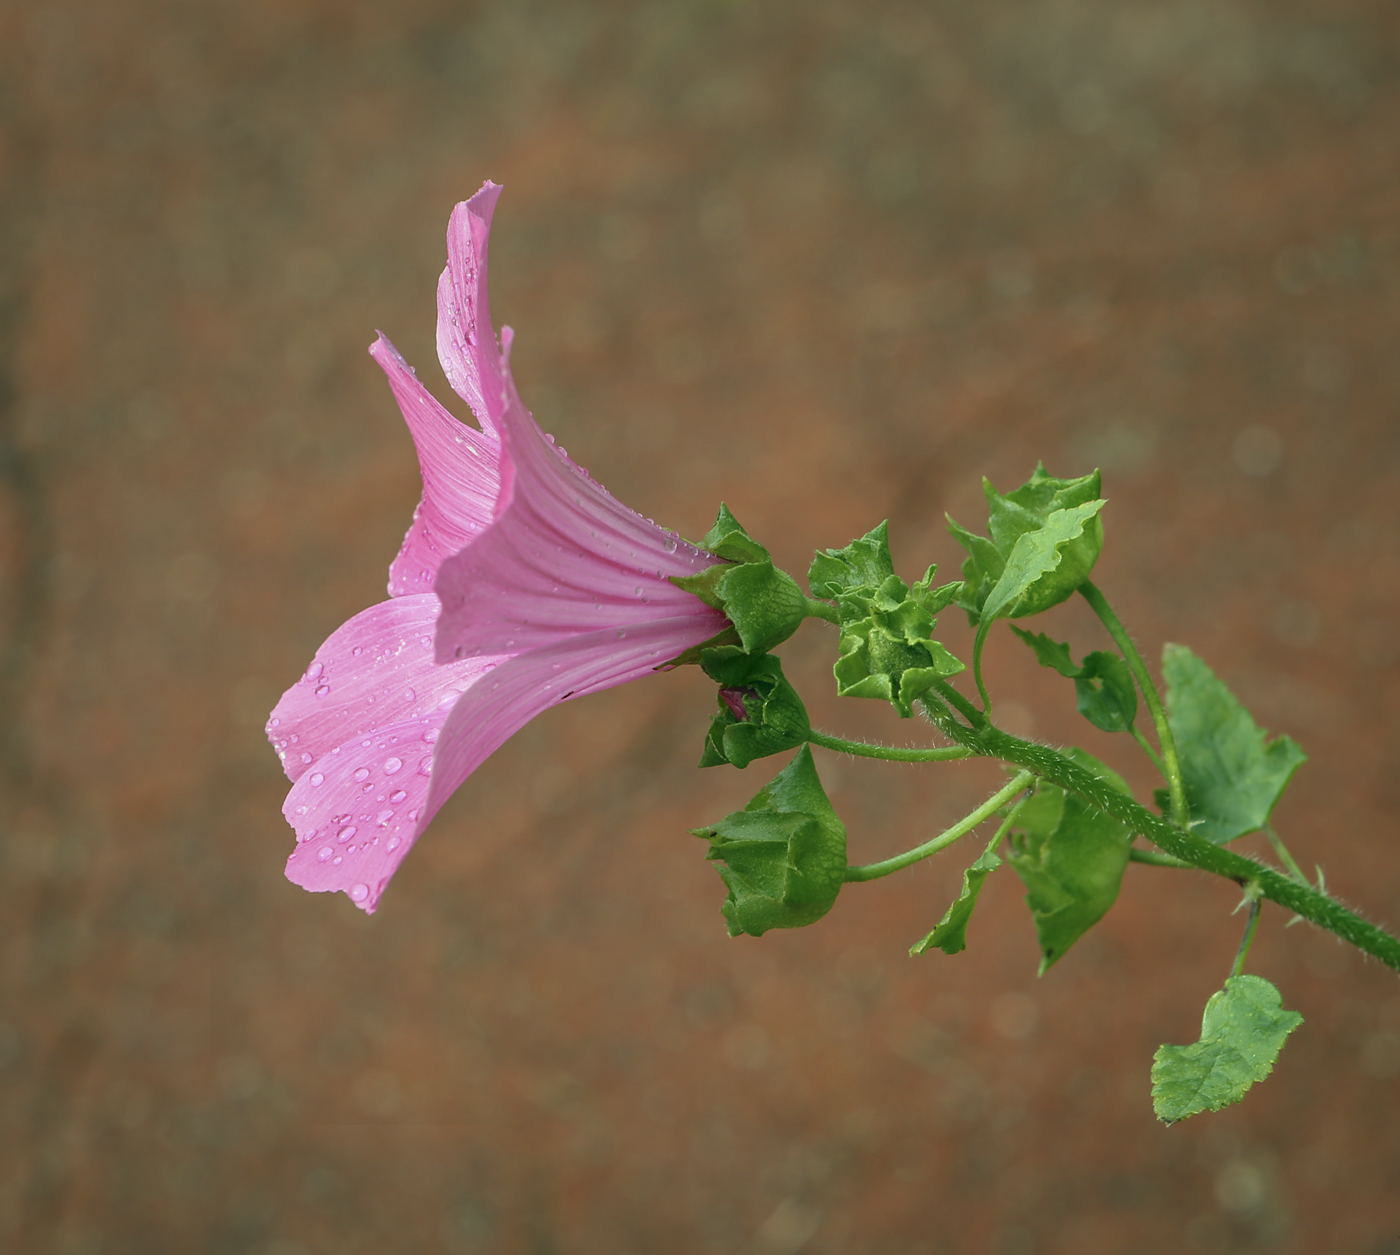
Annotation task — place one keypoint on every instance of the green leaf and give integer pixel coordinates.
(1233, 774)
(891, 654)
(773, 717)
(1242, 1032)
(1024, 512)
(785, 853)
(1052, 654)
(863, 564)
(1071, 858)
(1024, 588)
(951, 934)
(1105, 693)
(764, 604)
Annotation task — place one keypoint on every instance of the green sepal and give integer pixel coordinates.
(1233, 774)
(1242, 1032)
(951, 934)
(727, 539)
(785, 853)
(775, 718)
(764, 604)
(863, 565)
(1070, 857)
(891, 653)
(1038, 583)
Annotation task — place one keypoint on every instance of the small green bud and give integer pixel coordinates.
(784, 853)
(759, 712)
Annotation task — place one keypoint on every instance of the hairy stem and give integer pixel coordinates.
(873, 871)
(1247, 940)
(1170, 762)
(1284, 856)
(1299, 897)
(934, 754)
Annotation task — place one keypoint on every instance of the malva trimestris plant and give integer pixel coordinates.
(522, 583)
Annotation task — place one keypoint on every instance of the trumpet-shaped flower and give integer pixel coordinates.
(521, 583)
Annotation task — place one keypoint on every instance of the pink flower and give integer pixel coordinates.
(521, 583)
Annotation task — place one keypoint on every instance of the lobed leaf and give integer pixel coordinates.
(1242, 1032)
(950, 935)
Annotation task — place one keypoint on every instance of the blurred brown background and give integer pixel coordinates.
(831, 262)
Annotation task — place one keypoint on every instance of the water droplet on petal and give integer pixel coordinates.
(358, 650)
(392, 844)
(307, 758)
(430, 735)
(409, 695)
(397, 796)
(638, 590)
(449, 699)
(670, 545)
(361, 773)
(317, 778)
(425, 768)
(324, 853)
(345, 834)
(384, 816)
(323, 690)
(391, 765)
(314, 670)
(274, 723)
(337, 861)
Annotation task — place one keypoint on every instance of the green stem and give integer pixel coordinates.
(823, 610)
(1155, 858)
(1284, 856)
(873, 871)
(1301, 898)
(1146, 746)
(964, 707)
(1247, 940)
(1170, 762)
(934, 754)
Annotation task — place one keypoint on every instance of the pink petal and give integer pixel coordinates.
(373, 673)
(461, 478)
(466, 337)
(361, 809)
(564, 556)
(502, 703)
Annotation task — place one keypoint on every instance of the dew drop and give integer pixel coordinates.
(323, 690)
(397, 796)
(361, 773)
(295, 739)
(337, 861)
(324, 853)
(358, 650)
(621, 632)
(384, 816)
(391, 765)
(392, 844)
(431, 735)
(670, 544)
(367, 788)
(345, 834)
(314, 670)
(425, 768)
(449, 699)
(409, 695)
(306, 758)
(317, 778)
(274, 723)
(638, 590)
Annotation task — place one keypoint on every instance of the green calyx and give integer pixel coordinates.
(1055, 526)
(887, 646)
(764, 604)
(784, 854)
(773, 717)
